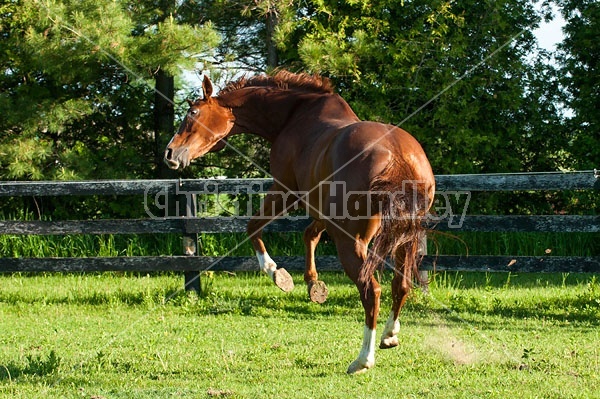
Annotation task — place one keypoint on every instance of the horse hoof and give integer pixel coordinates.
(283, 280)
(388, 342)
(359, 367)
(317, 291)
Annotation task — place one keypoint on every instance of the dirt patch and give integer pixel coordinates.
(453, 348)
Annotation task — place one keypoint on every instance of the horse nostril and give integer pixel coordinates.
(168, 153)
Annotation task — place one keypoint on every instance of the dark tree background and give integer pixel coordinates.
(94, 90)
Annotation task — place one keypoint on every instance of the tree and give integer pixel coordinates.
(579, 60)
(247, 29)
(76, 88)
(458, 75)
(465, 77)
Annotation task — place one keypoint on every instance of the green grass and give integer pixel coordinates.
(136, 336)
(73, 245)
(517, 244)
(237, 244)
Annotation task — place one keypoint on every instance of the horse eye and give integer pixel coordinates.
(194, 111)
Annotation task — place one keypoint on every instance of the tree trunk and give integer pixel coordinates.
(272, 57)
(164, 121)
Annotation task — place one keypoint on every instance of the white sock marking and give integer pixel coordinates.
(367, 352)
(389, 338)
(266, 264)
(392, 327)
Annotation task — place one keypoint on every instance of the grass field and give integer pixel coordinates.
(127, 336)
(237, 244)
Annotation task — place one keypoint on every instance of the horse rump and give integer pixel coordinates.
(402, 203)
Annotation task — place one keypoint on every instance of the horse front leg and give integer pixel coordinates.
(401, 286)
(317, 290)
(271, 208)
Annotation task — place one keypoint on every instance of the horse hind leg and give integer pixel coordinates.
(389, 337)
(352, 255)
(370, 295)
(317, 290)
(401, 287)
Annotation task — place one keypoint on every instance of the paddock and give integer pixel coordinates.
(115, 335)
(184, 220)
(490, 326)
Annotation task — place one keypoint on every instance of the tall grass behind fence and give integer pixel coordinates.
(555, 234)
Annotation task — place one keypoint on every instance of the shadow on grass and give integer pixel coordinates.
(557, 298)
(571, 311)
(92, 298)
(37, 365)
(503, 295)
(563, 306)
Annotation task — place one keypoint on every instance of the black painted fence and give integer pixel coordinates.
(189, 225)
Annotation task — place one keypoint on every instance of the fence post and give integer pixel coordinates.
(190, 244)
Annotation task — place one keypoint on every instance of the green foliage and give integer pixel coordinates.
(26, 155)
(514, 244)
(76, 93)
(440, 70)
(36, 365)
(465, 77)
(76, 81)
(580, 73)
(42, 366)
(245, 39)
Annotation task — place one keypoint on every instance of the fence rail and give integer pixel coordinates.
(509, 223)
(190, 225)
(581, 180)
(546, 264)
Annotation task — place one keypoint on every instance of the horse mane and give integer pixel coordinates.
(283, 80)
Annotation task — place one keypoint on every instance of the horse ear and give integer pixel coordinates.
(190, 102)
(207, 88)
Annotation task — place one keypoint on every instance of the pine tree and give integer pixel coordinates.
(580, 70)
(77, 83)
(459, 75)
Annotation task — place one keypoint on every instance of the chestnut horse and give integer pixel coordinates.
(359, 181)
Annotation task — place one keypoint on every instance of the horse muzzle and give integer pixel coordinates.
(176, 158)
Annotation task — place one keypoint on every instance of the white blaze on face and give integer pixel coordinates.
(266, 264)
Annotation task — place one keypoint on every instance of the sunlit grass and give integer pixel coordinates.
(237, 244)
(116, 335)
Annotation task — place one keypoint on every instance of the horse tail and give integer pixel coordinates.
(402, 203)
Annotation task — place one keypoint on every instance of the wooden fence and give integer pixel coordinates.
(189, 225)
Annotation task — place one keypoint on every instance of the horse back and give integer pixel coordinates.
(361, 152)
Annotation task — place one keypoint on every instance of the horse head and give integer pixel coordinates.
(204, 129)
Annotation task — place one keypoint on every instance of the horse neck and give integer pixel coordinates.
(261, 111)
